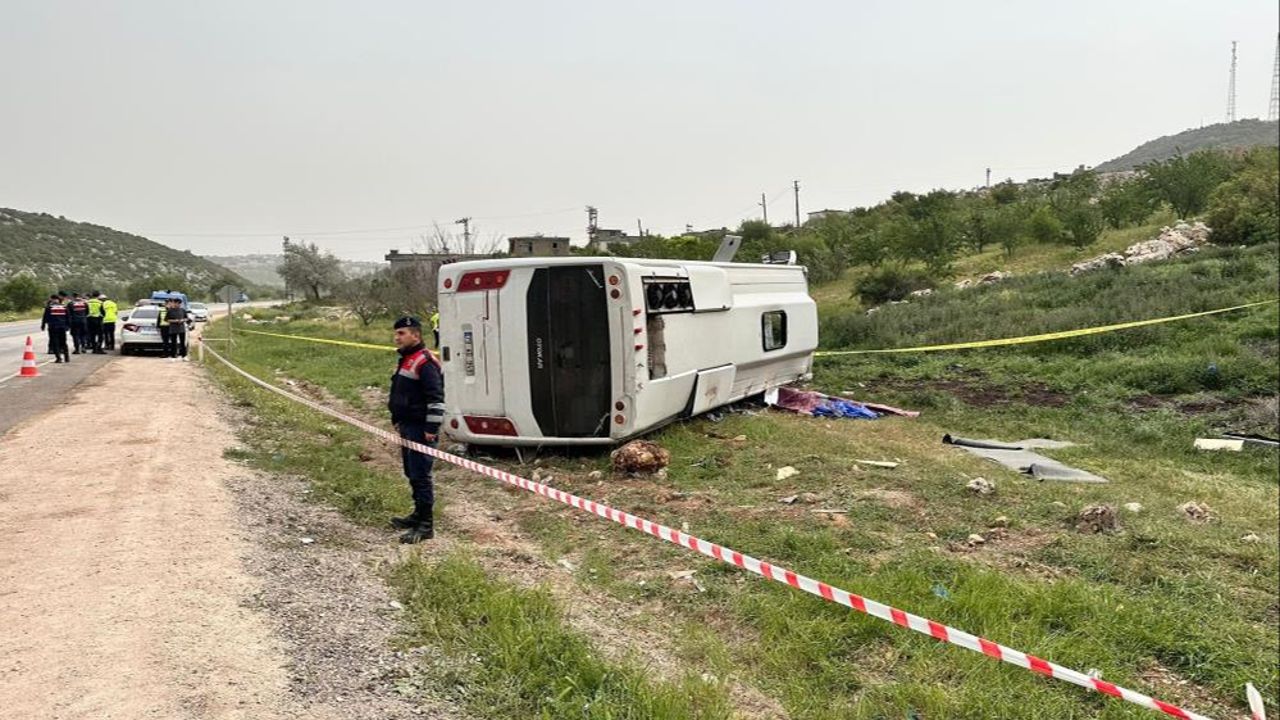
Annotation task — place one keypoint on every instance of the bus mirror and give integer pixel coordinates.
(781, 257)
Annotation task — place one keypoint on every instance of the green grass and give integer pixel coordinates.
(1187, 612)
(525, 661)
(513, 654)
(13, 315)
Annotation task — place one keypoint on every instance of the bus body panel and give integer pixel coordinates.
(568, 352)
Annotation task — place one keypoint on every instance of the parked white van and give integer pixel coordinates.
(596, 350)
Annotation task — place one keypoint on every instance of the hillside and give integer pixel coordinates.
(59, 250)
(1239, 134)
(261, 268)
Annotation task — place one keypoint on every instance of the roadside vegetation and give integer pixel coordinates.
(1176, 602)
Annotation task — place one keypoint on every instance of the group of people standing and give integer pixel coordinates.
(90, 320)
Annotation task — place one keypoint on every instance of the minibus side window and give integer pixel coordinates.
(773, 327)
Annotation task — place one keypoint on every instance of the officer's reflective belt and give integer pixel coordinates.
(1025, 339)
(767, 570)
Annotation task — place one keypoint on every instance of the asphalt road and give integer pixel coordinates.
(13, 339)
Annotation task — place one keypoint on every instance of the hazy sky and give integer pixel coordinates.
(219, 126)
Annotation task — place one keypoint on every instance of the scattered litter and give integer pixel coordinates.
(884, 409)
(1233, 445)
(816, 404)
(1096, 519)
(789, 500)
(975, 539)
(878, 463)
(828, 511)
(1251, 538)
(1058, 504)
(395, 605)
(740, 438)
(981, 486)
(1133, 507)
(1020, 458)
(1196, 512)
(786, 472)
(562, 562)
(681, 574)
(307, 540)
(809, 498)
(595, 475)
(1001, 521)
(941, 591)
(640, 457)
(931, 535)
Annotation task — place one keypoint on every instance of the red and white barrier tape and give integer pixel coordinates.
(772, 572)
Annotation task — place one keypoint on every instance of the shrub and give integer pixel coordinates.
(1244, 210)
(891, 282)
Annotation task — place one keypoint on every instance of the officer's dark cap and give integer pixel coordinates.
(408, 321)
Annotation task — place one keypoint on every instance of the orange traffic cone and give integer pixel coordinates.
(29, 361)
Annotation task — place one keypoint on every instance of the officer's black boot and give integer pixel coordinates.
(406, 522)
(423, 530)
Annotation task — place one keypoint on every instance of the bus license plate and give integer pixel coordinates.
(468, 353)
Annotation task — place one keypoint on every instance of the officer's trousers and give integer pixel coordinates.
(95, 334)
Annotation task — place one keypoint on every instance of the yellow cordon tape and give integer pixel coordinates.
(348, 343)
(1025, 339)
(1044, 337)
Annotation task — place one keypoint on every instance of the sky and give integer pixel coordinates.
(221, 126)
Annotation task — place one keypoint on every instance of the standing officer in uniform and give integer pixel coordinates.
(109, 318)
(78, 311)
(417, 409)
(435, 327)
(55, 319)
(94, 302)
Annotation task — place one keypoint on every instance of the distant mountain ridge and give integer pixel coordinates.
(261, 268)
(55, 250)
(1223, 136)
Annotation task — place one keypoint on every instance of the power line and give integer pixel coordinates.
(362, 231)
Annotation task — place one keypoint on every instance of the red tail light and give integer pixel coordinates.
(131, 327)
(490, 426)
(485, 280)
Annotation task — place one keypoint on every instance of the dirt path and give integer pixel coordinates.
(132, 577)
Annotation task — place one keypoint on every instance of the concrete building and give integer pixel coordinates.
(401, 261)
(605, 238)
(538, 246)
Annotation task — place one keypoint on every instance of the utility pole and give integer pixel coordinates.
(466, 234)
(1273, 108)
(1231, 86)
(988, 177)
(593, 226)
(796, 185)
(639, 228)
(764, 207)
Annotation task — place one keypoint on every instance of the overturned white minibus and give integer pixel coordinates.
(596, 350)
